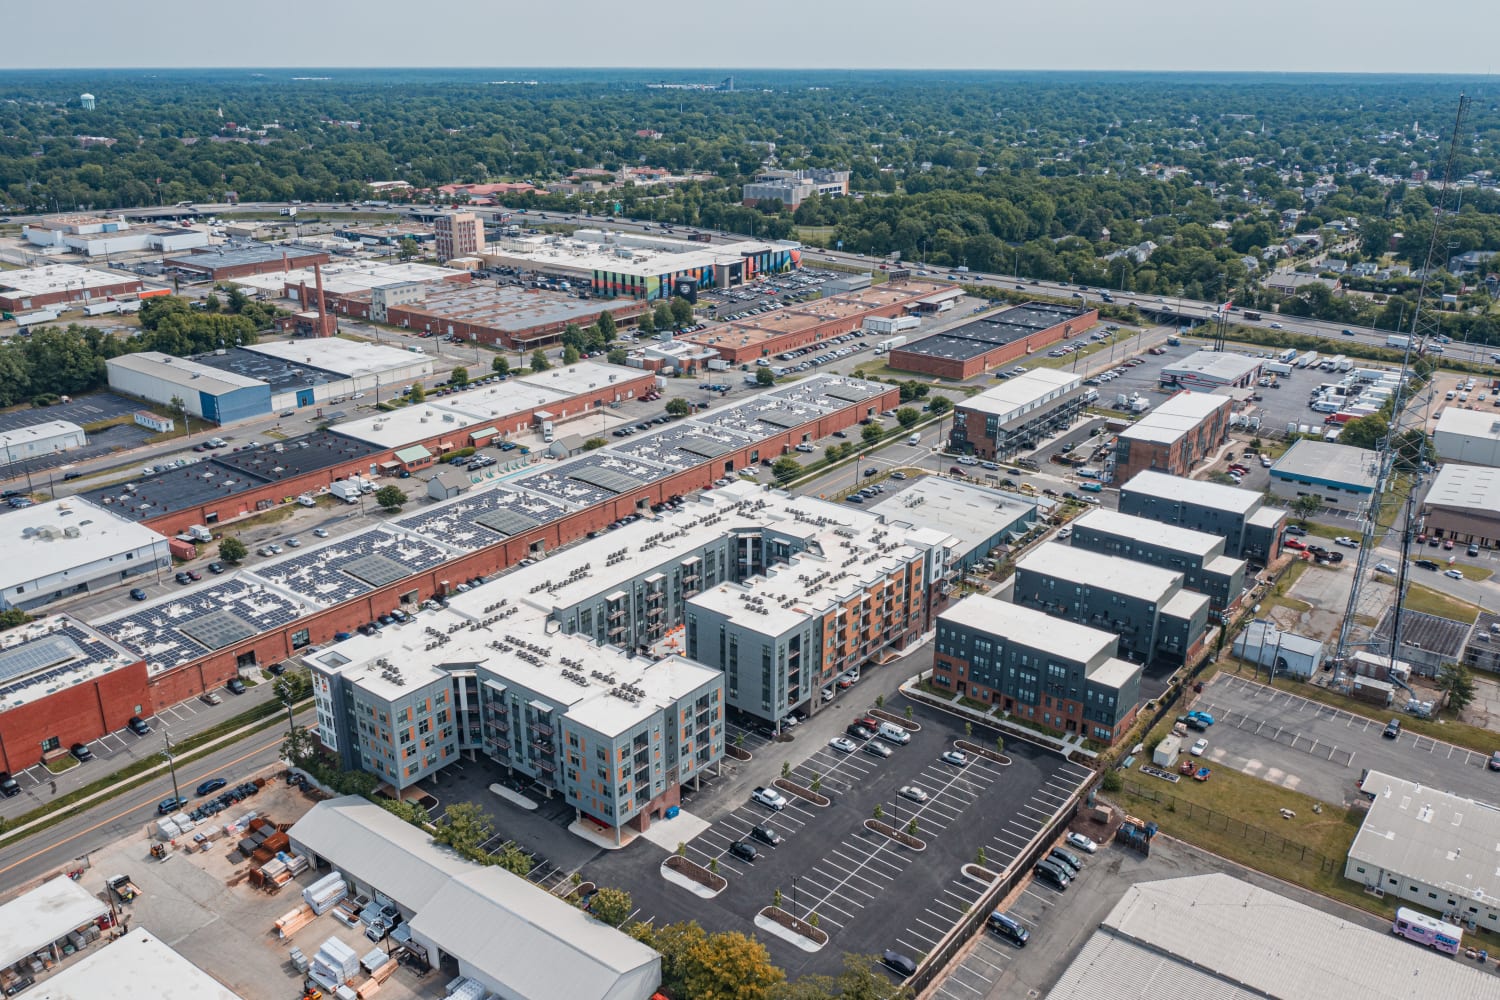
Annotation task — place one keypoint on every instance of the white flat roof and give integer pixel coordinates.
(1430, 836)
(344, 278)
(584, 251)
(1176, 417)
(1455, 419)
(345, 357)
(1123, 576)
(1114, 672)
(1149, 532)
(1222, 365)
(102, 534)
(39, 432)
(1014, 396)
(138, 964)
(184, 372)
(971, 513)
(1326, 462)
(59, 278)
(1029, 627)
(1193, 491)
(1466, 487)
(37, 918)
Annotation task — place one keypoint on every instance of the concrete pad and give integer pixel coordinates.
(668, 833)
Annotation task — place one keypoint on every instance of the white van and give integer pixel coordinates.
(892, 733)
(914, 440)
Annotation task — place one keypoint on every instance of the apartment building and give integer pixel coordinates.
(1175, 437)
(1157, 620)
(1197, 555)
(1017, 414)
(1250, 529)
(458, 234)
(1059, 674)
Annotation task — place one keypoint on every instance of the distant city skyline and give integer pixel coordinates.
(1162, 35)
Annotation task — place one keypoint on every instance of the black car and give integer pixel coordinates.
(765, 835)
(183, 577)
(277, 669)
(742, 849)
(166, 806)
(9, 787)
(138, 725)
(210, 786)
(81, 752)
(235, 686)
(899, 964)
(859, 732)
(1426, 564)
(1052, 874)
(1392, 729)
(216, 568)
(1067, 860)
(137, 594)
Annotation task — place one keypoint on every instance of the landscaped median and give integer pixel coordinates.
(776, 921)
(693, 877)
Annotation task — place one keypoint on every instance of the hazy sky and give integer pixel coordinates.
(1371, 36)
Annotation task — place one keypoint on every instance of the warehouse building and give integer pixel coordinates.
(1217, 936)
(1197, 555)
(979, 519)
(41, 927)
(387, 234)
(1059, 674)
(992, 341)
(1429, 847)
(1250, 529)
(1157, 619)
(502, 316)
(121, 969)
(1017, 414)
(361, 289)
(1187, 429)
(21, 444)
(1468, 436)
(332, 367)
(1464, 504)
(66, 547)
(1206, 371)
(1279, 653)
(35, 288)
(93, 236)
(238, 261)
(1341, 476)
(456, 911)
(206, 391)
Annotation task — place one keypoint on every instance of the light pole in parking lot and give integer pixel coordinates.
(795, 880)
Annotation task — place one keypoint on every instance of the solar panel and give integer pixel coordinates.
(507, 522)
(218, 629)
(850, 392)
(608, 479)
(377, 570)
(698, 444)
(778, 418)
(39, 654)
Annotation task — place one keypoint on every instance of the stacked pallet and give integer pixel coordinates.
(294, 921)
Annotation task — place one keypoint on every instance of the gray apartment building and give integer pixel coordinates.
(1059, 674)
(1250, 529)
(1017, 414)
(1156, 619)
(1197, 555)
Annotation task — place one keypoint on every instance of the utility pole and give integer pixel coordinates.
(172, 767)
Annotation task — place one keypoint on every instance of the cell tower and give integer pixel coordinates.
(1425, 328)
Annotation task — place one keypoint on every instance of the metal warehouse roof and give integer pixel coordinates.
(1219, 938)
(138, 964)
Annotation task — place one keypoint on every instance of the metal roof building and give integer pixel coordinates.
(1471, 436)
(63, 547)
(514, 938)
(34, 921)
(1436, 849)
(1337, 474)
(1208, 370)
(138, 964)
(1215, 936)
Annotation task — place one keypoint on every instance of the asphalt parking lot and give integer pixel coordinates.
(1322, 751)
(868, 892)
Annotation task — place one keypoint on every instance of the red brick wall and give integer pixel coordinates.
(416, 317)
(76, 714)
(905, 359)
(732, 351)
(11, 302)
(207, 269)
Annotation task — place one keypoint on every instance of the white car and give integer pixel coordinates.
(912, 792)
(1385, 568)
(320, 532)
(843, 744)
(1198, 748)
(828, 693)
(956, 757)
(1454, 574)
(770, 798)
(1079, 842)
(1346, 542)
(791, 720)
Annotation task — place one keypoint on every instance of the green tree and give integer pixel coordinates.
(613, 906)
(879, 812)
(682, 312)
(871, 433)
(570, 355)
(911, 827)
(786, 769)
(459, 376)
(594, 443)
(539, 361)
(908, 415)
(679, 407)
(617, 356)
(407, 249)
(980, 858)
(817, 784)
(417, 393)
(232, 550)
(1457, 683)
(390, 498)
(607, 328)
(499, 365)
(211, 303)
(300, 748)
(1306, 506)
(661, 316)
(764, 376)
(940, 405)
(645, 326)
(464, 826)
(238, 300)
(513, 860)
(573, 337)
(786, 468)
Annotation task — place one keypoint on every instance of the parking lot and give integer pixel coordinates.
(1322, 751)
(869, 893)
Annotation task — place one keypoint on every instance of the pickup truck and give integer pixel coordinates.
(125, 889)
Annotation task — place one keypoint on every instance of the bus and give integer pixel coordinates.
(1431, 931)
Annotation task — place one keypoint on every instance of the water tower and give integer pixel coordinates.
(87, 100)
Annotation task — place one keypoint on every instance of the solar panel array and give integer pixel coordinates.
(471, 521)
(831, 391)
(684, 445)
(164, 634)
(763, 416)
(352, 566)
(50, 661)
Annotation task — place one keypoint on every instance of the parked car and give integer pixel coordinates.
(1006, 926)
(1046, 871)
(1066, 858)
(137, 594)
(210, 698)
(956, 757)
(913, 792)
(1454, 574)
(877, 749)
(138, 725)
(1392, 729)
(765, 834)
(1198, 748)
(210, 786)
(235, 685)
(9, 786)
(899, 964)
(770, 798)
(1082, 843)
(81, 752)
(843, 744)
(1346, 542)
(320, 532)
(167, 806)
(742, 849)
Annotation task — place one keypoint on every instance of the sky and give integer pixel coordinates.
(1371, 36)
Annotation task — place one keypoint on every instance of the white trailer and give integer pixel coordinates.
(101, 308)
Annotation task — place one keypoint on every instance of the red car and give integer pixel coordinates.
(1447, 543)
(1292, 543)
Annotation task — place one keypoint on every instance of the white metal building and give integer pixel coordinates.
(35, 922)
(1217, 936)
(362, 366)
(1432, 848)
(207, 392)
(1468, 436)
(138, 964)
(1263, 644)
(66, 546)
(1209, 370)
(19, 444)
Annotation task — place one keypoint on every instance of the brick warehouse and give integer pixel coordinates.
(504, 316)
(221, 264)
(798, 326)
(976, 347)
(823, 404)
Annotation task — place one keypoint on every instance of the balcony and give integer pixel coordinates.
(540, 729)
(546, 765)
(542, 749)
(499, 743)
(497, 709)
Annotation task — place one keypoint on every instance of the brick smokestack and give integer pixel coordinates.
(325, 324)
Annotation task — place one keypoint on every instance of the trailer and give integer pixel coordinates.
(101, 308)
(1308, 360)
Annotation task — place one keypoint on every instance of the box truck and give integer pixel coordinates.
(346, 490)
(1397, 340)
